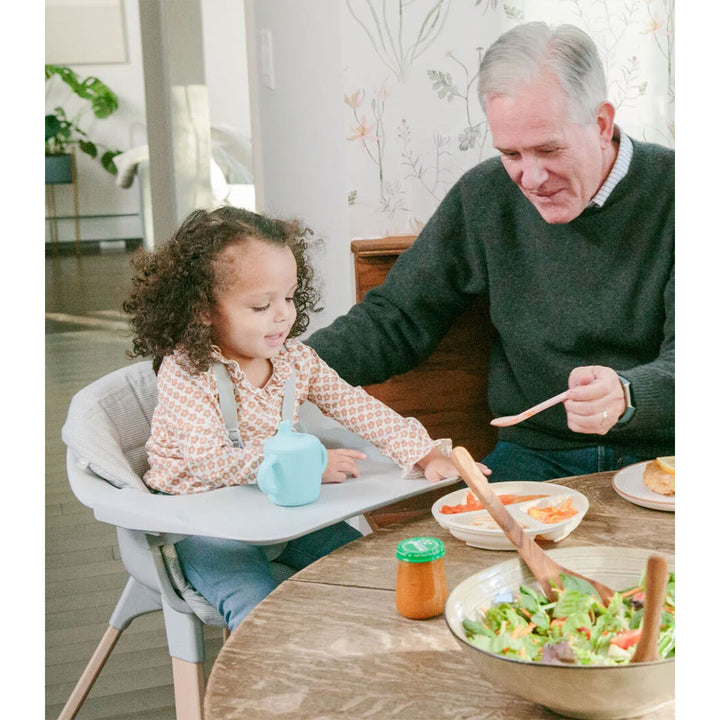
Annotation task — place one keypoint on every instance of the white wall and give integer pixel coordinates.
(298, 134)
(98, 193)
(331, 79)
(411, 108)
(227, 83)
(370, 123)
(226, 63)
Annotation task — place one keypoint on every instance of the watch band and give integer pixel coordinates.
(629, 407)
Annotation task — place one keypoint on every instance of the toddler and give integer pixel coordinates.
(235, 287)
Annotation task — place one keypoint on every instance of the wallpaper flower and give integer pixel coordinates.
(414, 122)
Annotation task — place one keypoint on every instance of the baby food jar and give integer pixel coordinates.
(421, 587)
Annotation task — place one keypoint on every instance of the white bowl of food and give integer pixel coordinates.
(544, 510)
(610, 691)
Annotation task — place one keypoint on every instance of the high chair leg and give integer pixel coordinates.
(92, 670)
(189, 682)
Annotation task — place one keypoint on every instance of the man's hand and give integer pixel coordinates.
(595, 399)
(341, 464)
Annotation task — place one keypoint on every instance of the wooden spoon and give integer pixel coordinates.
(543, 567)
(656, 577)
(508, 420)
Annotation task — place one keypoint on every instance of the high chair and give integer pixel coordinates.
(106, 429)
(107, 426)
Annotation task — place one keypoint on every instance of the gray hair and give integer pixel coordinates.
(520, 54)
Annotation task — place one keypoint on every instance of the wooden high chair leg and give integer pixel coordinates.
(92, 670)
(189, 682)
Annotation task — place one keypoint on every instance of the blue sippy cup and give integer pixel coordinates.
(292, 467)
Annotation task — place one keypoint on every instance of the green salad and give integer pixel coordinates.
(576, 629)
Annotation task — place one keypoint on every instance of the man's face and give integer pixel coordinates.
(558, 164)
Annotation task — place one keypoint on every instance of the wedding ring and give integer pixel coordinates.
(604, 418)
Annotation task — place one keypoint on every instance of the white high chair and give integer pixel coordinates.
(107, 426)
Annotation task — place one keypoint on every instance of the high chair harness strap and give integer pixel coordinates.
(228, 406)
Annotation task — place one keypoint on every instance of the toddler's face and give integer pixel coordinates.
(255, 308)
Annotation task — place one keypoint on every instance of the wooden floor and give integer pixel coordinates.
(86, 338)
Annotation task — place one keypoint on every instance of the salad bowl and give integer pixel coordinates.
(591, 692)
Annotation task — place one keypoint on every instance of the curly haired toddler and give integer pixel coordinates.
(235, 287)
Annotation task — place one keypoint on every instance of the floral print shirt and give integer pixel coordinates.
(189, 449)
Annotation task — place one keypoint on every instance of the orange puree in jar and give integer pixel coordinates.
(421, 587)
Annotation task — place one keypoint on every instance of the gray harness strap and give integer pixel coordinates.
(228, 406)
(229, 410)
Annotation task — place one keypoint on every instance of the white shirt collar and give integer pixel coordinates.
(619, 169)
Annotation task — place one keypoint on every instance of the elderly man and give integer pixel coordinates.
(570, 236)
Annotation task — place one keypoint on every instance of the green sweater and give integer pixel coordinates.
(599, 290)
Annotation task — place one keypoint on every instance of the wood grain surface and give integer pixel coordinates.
(329, 642)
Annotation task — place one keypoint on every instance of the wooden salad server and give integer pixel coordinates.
(543, 567)
(508, 420)
(656, 577)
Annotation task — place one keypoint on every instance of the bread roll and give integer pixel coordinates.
(658, 480)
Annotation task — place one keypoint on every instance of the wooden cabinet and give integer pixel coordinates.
(448, 392)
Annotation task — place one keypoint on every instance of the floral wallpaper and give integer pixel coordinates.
(414, 122)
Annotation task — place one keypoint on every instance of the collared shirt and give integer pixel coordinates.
(189, 448)
(619, 169)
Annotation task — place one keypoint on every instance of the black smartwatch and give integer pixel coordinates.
(629, 407)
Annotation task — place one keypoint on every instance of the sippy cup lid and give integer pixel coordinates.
(287, 440)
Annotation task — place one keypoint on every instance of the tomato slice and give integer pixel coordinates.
(626, 638)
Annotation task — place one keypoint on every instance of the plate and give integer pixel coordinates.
(628, 483)
(478, 529)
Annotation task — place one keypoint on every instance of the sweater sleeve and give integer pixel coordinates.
(653, 384)
(403, 440)
(398, 324)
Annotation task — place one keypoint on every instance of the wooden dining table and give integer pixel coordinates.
(329, 642)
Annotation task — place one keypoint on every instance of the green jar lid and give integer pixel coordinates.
(420, 549)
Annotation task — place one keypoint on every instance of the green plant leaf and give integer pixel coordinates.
(52, 126)
(103, 100)
(88, 147)
(61, 131)
(107, 161)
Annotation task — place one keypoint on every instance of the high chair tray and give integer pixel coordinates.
(243, 512)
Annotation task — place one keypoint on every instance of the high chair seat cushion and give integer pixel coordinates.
(108, 425)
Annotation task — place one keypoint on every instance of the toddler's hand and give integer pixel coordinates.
(341, 464)
(439, 467)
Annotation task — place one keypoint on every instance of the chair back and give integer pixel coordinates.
(108, 424)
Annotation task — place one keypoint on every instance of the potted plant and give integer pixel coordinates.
(63, 131)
